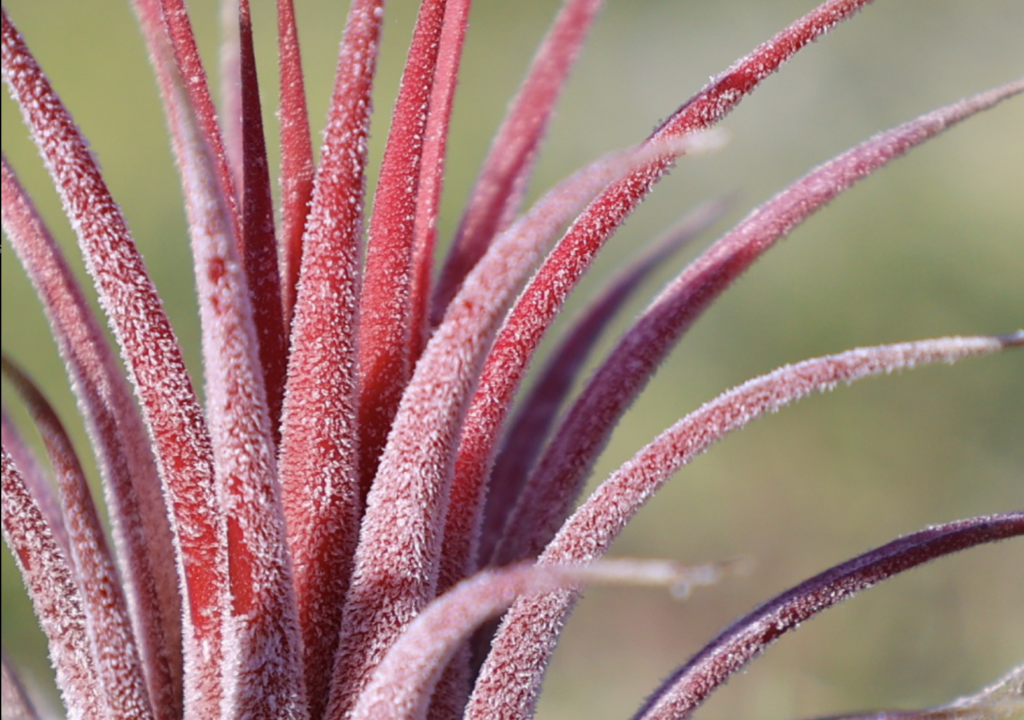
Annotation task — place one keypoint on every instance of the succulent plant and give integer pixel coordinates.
(331, 532)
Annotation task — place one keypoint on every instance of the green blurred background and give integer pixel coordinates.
(933, 245)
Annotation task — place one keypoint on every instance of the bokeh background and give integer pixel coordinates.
(933, 245)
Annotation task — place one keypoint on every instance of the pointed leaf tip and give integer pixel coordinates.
(749, 636)
(1014, 339)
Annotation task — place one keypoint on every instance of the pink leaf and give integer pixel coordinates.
(51, 586)
(402, 684)
(172, 15)
(37, 480)
(175, 421)
(142, 534)
(544, 296)
(530, 428)
(119, 670)
(264, 672)
(531, 628)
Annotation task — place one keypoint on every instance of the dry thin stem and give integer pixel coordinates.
(1003, 700)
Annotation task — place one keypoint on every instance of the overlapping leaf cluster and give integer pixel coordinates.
(324, 536)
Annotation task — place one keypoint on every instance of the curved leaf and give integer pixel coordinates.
(561, 472)
(502, 180)
(52, 586)
(750, 636)
(530, 630)
(180, 439)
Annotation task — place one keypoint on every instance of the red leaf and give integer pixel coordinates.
(119, 670)
(296, 154)
(397, 557)
(502, 181)
(174, 418)
(258, 242)
(319, 436)
(530, 428)
(384, 306)
(138, 514)
(543, 297)
(55, 597)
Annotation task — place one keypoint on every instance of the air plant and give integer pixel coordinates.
(330, 535)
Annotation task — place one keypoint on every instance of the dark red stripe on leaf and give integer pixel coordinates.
(229, 68)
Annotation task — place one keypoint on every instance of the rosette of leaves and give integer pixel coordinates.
(329, 531)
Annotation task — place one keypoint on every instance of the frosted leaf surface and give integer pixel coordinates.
(54, 592)
(141, 532)
(318, 461)
(562, 470)
(397, 559)
(152, 356)
(530, 629)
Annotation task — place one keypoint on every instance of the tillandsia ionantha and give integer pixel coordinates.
(332, 533)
